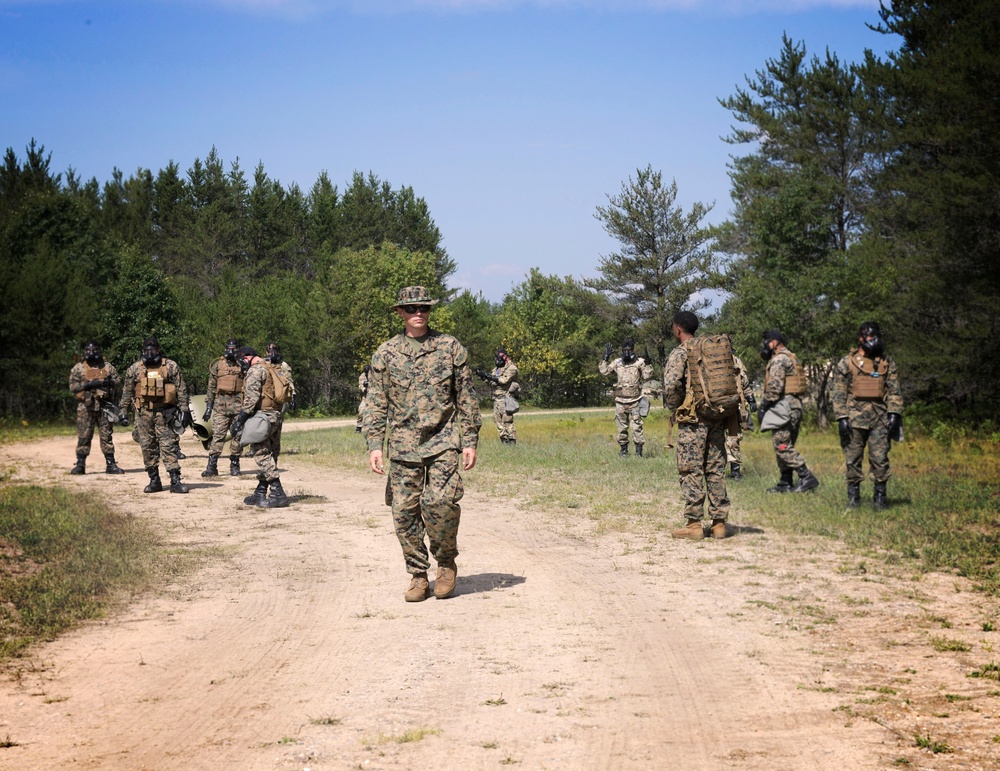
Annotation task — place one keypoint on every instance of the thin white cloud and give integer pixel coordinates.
(501, 269)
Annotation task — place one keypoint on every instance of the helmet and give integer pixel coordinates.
(871, 339)
(151, 352)
(232, 350)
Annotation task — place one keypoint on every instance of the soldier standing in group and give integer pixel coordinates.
(422, 399)
(785, 379)
(261, 397)
(868, 404)
(92, 381)
(733, 452)
(701, 435)
(274, 357)
(222, 403)
(156, 387)
(631, 372)
(363, 390)
(504, 381)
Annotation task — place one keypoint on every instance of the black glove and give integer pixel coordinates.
(752, 404)
(208, 411)
(750, 422)
(291, 402)
(237, 426)
(844, 427)
(607, 352)
(187, 419)
(123, 420)
(895, 426)
(765, 405)
(481, 372)
(90, 385)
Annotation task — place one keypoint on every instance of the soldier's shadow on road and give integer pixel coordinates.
(737, 530)
(486, 582)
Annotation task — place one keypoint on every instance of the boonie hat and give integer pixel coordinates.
(413, 295)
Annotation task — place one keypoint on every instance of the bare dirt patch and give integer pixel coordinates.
(291, 647)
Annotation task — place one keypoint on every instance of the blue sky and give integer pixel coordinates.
(514, 120)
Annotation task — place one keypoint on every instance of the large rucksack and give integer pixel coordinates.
(712, 378)
(277, 389)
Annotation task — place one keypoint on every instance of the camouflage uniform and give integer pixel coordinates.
(363, 404)
(779, 367)
(628, 391)
(701, 447)
(421, 395)
(225, 404)
(286, 369)
(256, 401)
(869, 417)
(157, 438)
(88, 408)
(733, 453)
(506, 385)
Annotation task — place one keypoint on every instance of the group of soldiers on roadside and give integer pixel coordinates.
(867, 402)
(241, 386)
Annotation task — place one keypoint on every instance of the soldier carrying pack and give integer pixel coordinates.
(712, 379)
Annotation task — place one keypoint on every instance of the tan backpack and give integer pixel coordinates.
(277, 389)
(713, 380)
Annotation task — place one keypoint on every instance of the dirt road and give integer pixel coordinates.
(292, 648)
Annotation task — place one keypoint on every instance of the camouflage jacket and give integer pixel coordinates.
(506, 381)
(630, 377)
(173, 375)
(253, 388)
(363, 384)
(286, 370)
(744, 384)
(221, 367)
(83, 372)
(422, 398)
(779, 367)
(863, 413)
(674, 385)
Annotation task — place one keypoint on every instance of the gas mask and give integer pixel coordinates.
(151, 356)
(92, 355)
(628, 353)
(871, 340)
(274, 355)
(244, 364)
(232, 349)
(500, 360)
(765, 350)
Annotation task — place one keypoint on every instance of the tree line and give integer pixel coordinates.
(861, 191)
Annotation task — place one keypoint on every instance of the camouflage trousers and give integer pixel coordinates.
(222, 421)
(701, 466)
(877, 439)
(86, 421)
(504, 421)
(276, 443)
(733, 452)
(623, 411)
(263, 452)
(157, 439)
(424, 499)
(783, 441)
(362, 406)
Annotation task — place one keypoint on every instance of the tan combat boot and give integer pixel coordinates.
(718, 529)
(418, 588)
(444, 584)
(692, 531)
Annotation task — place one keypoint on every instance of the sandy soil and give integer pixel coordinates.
(291, 646)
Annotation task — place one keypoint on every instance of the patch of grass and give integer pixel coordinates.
(951, 698)
(943, 644)
(499, 702)
(326, 720)
(8, 743)
(490, 745)
(938, 748)
(988, 671)
(14, 430)
(64, 558)
(412, 735)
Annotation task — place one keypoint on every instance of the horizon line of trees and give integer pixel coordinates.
(865, 191)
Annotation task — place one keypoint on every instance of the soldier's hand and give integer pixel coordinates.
(187, 419)
(208, 411)
(237, 426)
(481, 372)
(765, 405)
(895, 425)
(752, 403)
(90, 385)
(750, 426)
(123, 420)
(844, 427)
(607, 351)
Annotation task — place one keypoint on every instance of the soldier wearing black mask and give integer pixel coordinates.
(275, 358)
(93, 382)
(222, 404)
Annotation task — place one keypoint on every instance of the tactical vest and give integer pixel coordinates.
(629, 385)
(152, 391)
(93, 373)
(712, 375)
(868, 376)
(795, 384)
(229, 378)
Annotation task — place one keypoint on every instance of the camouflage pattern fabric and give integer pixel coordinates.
(422, 404)
(733, 452)
(263, 452)
(424, 400)
(628, 390)
(152, 426)
(425, 498)
(701, 447)
(869, 419)
(363, 391)
(88, 410)
(780, 366)
(506, 384)
(225, 407)
(286, 370)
